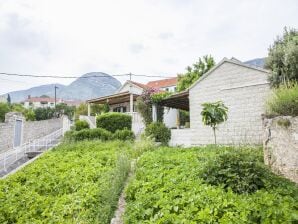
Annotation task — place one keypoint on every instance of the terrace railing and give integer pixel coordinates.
(36, 146)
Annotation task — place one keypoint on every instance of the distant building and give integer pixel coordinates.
(41, 102)
(164, 84)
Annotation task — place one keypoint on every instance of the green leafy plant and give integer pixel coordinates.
(73, 183)
(90, 134)
(81, 124)
(114, 121)
(4, 108)
(282, 58)
(124, 135)
(168, 188)
(159, 132)
(283, 122)
(237, 170)
(283, 102)
(214, 114)
(195, 72)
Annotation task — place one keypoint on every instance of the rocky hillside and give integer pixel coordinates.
(82, 88)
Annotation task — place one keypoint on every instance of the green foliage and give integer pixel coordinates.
(214, 114)
(4, 108)
(184, 117)
(29, 115)
(44, 113)
(238, 170)
(114, 121)
(159, 132)
(284, 122)
(91, 134)
(81, 124)
(283, 58)
(159, 96)
(8, 99)
(194, 73)
(284, 101)
(124, 135)
(168, 188)
(145, 102)
(74, 183)
(64, 109)
(95, 109)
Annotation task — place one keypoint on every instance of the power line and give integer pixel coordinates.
(80, 77)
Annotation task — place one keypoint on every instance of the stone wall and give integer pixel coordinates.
(244, 91)
(31, 130)
(281, 145)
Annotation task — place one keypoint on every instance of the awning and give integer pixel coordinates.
(113, 99)
(178, 101)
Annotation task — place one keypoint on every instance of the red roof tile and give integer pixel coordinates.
(162, 83)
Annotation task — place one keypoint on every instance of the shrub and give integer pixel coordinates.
(236, 170)
(90, 134)
(80, 125)
(114, 121)
(283, 102)
(159, 132)
(124, 135)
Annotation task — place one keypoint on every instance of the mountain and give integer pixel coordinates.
(81, 89)
(257, 62)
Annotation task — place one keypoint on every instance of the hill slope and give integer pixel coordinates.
(80, 89)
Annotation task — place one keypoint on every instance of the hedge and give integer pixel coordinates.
(98, 134)
(81, 124)
(159, 132)
(114, 121)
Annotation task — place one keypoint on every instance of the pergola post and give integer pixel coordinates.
(89, 109)
(154, 113)
(131, 103)
(178, 119)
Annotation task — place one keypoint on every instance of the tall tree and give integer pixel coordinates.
(195, 72)
(283, 58)
(8, 99)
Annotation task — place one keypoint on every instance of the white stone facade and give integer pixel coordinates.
(243, 90)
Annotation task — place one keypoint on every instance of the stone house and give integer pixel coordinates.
(242, 88)
(40, 102)
(123, 101)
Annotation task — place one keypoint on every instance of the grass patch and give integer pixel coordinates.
(283, 102)
(169, 187)
(74, 183)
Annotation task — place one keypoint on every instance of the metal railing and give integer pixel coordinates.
(38, 145)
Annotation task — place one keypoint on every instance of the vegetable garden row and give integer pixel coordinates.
(80, 183)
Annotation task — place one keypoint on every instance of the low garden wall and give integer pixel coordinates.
(281, 145)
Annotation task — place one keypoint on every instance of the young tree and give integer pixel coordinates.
(214, 114)
(4, 108)
(195, 72)
(283, 58)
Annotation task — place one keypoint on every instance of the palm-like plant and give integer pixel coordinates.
(214, 114)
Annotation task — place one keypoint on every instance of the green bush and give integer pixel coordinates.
(124, 135)
(168, 188)
(159, 132)
(284, 101)
(74, 183)
(91, 134)
(114, 121)
(81, 124)
(237, 170)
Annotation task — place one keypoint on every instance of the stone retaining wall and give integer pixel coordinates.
(31, 130)
(281, 145)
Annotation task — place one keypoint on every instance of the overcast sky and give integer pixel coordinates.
(153, 37)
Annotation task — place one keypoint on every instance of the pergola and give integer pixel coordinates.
(178, 101)
(114, 99)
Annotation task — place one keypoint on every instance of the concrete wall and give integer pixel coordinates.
(244, 91)
(31, 130)
(281, 146)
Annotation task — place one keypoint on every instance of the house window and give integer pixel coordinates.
(167, 89)
(119, 109)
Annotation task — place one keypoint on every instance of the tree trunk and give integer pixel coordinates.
(214, 135)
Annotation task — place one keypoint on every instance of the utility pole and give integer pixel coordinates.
(130, 76)
(56, 87)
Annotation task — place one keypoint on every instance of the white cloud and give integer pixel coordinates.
(73, 37)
